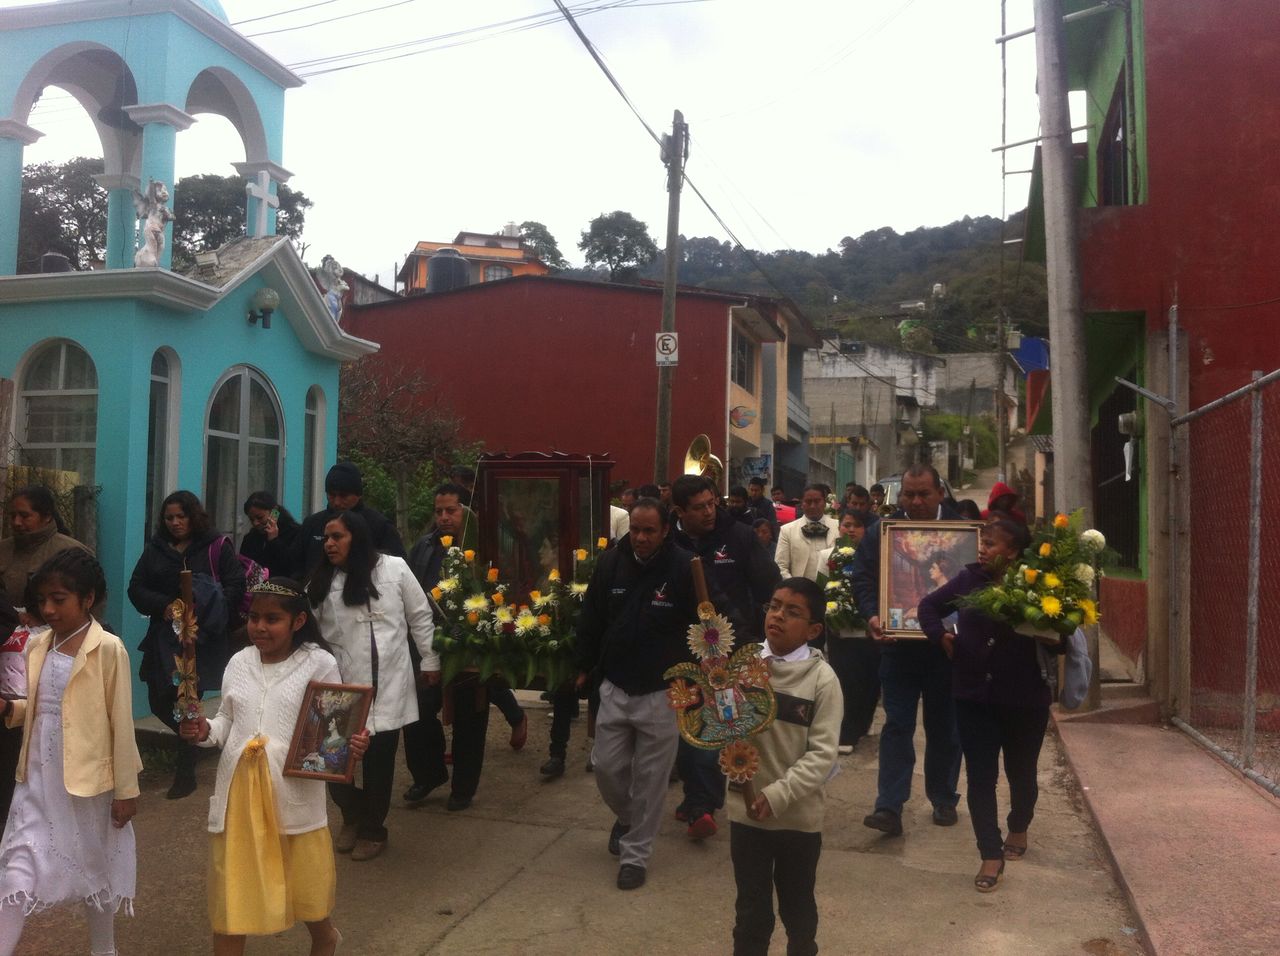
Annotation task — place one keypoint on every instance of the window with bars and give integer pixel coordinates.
(496, 272)
(744, 360)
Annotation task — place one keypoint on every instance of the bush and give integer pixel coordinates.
(941, 427)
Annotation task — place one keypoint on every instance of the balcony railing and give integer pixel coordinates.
(797, 415)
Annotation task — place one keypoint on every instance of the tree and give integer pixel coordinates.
(209, 211)
(63, 210)
(619, 241)
(542, 244)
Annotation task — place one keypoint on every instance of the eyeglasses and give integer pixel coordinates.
(789, 611)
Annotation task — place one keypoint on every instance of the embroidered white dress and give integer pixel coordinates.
(59, 848)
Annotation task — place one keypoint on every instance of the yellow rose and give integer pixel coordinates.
(1061, 521)
(554, 575)
(1046, 549)
(492, 575)
(469, 554)
(1030, 574)
(1090, 610)
(581, 554)
(602, 543)
(497, 598)
(436, 593)
(1051, 580)
(447, 540)
(1051, 605)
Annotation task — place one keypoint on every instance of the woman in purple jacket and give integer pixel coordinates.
(1002, 700)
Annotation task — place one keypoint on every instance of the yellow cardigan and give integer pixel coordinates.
(97, 754)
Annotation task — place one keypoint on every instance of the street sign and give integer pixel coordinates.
(666, 348)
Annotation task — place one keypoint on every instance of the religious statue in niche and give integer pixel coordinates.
(155, 215)
(329, 275)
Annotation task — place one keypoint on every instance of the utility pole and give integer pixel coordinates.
(1001, 436)
(675, 151)
(1071, 452)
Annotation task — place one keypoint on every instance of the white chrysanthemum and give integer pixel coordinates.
(526, 624)
(503, 615)
(832, 607)
(448, 585)
(846, 552)
(477, 602)
(543, 600)
(1093, 538)
(578, 588)
(833, 585)
(1084, 573)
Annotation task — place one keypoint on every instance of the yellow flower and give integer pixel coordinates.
(1030, 574)
(437, 593)
(447, 540)
(497, 598)
(472, 617)
(544, 619)
(578, 588)
(1051, 605)
(581, 554)
(448, 585)
(525, 623)
(476, 602)
(554, 575)
(1051, 580)
(602, 543)
(469, 554)
(832, 607)
(1046, 549)
(1061, 521)
(1090, 609)
(535, 596)
(492, 575)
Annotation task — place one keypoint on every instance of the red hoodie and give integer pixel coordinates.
(999, 491)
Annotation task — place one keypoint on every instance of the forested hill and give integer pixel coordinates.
(860, 287)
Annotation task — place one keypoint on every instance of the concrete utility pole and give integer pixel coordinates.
(675, 151)
(1071, 462)
(1002, 436)
(1072, 471)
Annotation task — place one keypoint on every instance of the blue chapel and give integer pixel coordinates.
(129, 382)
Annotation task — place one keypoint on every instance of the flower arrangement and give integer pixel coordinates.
(477, 627)
(1050, 589)
(551, 651)
(836, 581)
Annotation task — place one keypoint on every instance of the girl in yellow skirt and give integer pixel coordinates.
(271, 856)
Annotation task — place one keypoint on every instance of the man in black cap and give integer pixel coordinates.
(343, 487)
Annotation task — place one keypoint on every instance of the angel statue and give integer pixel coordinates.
(329, 275)
(154, 212)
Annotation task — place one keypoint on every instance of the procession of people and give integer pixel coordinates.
(333, 599)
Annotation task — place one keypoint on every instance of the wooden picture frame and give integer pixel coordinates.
(331, 714)
(917, 557)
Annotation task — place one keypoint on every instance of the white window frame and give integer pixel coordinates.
(26, 394)
(246, 374)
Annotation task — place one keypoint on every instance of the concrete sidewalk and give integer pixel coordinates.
(1194, 844)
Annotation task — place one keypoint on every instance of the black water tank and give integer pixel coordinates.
(54, 262)
(447, 270)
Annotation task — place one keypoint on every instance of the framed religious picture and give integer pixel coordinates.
(331, 715)
(917, 557)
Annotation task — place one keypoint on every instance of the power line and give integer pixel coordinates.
(316, 23)
(281, 13)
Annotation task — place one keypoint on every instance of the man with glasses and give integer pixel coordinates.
(735, 563)
(910, 670)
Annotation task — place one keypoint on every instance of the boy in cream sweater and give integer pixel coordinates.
(776, 842)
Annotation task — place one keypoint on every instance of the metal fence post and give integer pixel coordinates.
(1249, 724)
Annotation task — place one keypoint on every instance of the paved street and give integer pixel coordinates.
(525, 872)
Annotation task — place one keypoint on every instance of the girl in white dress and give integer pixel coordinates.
(68, 837)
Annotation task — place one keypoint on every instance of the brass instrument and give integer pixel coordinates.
(698, 460)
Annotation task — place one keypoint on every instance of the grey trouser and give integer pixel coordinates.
(635, 748)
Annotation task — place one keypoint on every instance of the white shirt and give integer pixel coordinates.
(400, 611)
(801, 653)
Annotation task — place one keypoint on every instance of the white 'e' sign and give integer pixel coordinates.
(666, 348)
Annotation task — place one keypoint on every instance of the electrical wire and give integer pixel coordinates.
(316, 23)
(281, 13)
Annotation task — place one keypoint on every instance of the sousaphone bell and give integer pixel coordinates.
(698, 460)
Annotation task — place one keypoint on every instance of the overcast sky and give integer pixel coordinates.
(810, 120)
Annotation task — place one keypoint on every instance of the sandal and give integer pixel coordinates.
(985, 883)
(1012, 852)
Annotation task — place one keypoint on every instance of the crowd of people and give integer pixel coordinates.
(335, 598)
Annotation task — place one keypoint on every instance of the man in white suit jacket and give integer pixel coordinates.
(800, 542)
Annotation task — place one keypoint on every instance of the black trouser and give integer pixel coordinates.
(986, 730)
(504, 698)
(161, 698)
(564, 708)
(470, 725)
(703, 780)
(856, 662)
(365, 807)
(10, 750)
(424, 740)
(765, 860)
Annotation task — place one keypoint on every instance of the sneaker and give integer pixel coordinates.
(886, 821)
(520, 733)
(945, 816)
(457, 801)
(552, 768)
(367, 849)
(346, 839)
(615, 838)
(702, 827)
(630, 877)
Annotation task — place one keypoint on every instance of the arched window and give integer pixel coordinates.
(161, 430)
(58, 411)
(496, 272)
(313, 428)
(244, 444)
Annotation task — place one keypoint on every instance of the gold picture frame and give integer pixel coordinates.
(331, 714)
(917, 557)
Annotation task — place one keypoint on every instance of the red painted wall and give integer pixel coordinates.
(542, 364)
(1124, 614)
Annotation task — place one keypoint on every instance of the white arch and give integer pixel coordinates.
(218, 90)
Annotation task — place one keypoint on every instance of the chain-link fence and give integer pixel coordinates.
(1234, 559)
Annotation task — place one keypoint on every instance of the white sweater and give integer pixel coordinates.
(252, 704)
(400, 611)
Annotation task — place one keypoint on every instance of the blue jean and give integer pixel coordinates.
(704, 782)
(909, 671)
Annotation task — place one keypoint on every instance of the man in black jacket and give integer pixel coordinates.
(344, 488)
(633, 627)
(910, 670)
(737, 564)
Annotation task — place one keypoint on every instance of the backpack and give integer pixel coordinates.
(1076, 673)
(254, 573)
